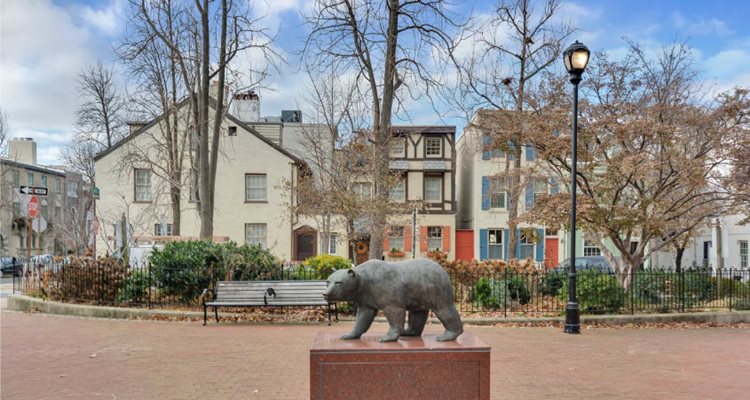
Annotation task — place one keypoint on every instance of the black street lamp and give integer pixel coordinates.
(576, 57)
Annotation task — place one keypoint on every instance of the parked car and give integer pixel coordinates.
(585, 263)
(10, 265)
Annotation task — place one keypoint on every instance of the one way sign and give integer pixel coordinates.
(38, 191)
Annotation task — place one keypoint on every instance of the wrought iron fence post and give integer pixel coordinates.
(682, 291)
(731, 286)
(632, 291)
(505, 294)
(149, 271)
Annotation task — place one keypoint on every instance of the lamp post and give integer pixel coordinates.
(575, 57)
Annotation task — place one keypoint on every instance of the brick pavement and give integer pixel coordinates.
(54, 357)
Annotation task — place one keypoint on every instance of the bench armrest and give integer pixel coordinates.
(203, 295)
(269, 292)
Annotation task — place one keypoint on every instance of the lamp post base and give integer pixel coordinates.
(572, 318)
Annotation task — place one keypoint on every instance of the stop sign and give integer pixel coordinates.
(33, 207)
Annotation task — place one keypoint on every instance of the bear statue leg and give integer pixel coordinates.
(395, 317)
(448, 316)
(365, 315)
(417, 320)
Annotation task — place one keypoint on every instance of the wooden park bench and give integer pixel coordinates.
(267, 294)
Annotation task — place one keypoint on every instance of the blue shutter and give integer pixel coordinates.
(530, 153)
(487, 154)
(530, 194)
(485, 193)
(518, 242)
(511, 151)
(483, 244)
(540, 245)
(505, 244)
(554, 186)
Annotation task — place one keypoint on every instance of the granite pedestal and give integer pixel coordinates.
(411, 368)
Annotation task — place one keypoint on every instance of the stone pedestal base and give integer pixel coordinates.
(412, 368)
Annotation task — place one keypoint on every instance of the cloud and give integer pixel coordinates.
(700, 26)
(106, 19)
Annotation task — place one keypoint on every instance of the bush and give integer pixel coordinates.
(493, 293)
(85, 279)
(323, 265)
(135, 288)
(552, 282)
(597, 292)
(184, 269)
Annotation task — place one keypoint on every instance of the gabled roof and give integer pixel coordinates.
(229, 116)
(451, 129)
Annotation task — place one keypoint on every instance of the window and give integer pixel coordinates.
(550, 232)
(743, 253)
(398, 147)
(396, 237)
(497, 192)
(433, 146)
(255, 187)
(58, 186)
(495, 244)
(57, 212)
(142, 185)
(494, 152)
(30, 179)
(398, 191)
(706, 252)
(16, 209)
(363, 189)
(540, 187)
(331, 244)
(527, 244)
(590, 249)
(73, 188)
(45, 211)
(433, 189)
(232, 131)
(255, 234)
(435, 237)
(161, 230)
(44, 181)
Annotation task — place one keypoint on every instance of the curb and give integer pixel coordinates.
(23, 303)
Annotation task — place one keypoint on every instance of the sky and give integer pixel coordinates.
(44, 44)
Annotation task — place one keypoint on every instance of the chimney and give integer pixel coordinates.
(22, 150)
(246, 106)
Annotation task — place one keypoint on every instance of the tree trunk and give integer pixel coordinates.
(678, 259)
(206, 205)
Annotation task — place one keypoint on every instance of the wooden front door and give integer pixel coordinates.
(305, 241)
(464, 244)
(551, 253)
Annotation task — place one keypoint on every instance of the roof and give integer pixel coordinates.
(229, 116)
(451, 129)
(32, 167)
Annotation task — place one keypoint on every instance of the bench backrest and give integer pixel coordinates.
(286, 292)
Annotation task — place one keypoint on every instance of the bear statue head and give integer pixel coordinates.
(342, 285)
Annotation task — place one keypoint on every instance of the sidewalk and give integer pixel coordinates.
(56, 357)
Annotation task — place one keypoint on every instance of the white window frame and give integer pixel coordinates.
(540, 186)
(434, 238)
(396, 237)
(58, 185)
(43, 181)
(398, 191)
(157, 230)
(257, 237)
(497, 191)
(431, 144)
(398, 147)
(332, 245)
(30, 178)
(744, 253)
(590, 249)
(428, 196)
(526, 242)
(145, 187)
(255, 191)
(362, 189)
(498, 233)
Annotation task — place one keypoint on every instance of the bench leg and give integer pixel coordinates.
(329, 314)
(336, 308)
(216, 313)
(205, 314)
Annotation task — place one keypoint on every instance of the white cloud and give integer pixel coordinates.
(700, 26)
(105, 19)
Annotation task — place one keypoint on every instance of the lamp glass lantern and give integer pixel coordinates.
(576, 57)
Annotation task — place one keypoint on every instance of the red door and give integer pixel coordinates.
(550, 253)
(464, 244)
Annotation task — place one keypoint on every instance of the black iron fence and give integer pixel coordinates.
(505, 293)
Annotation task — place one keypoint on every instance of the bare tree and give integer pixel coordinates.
(99, 117)
(214, 35)
(501, 62)
(79, 154)
(387, 45)
(4, 128)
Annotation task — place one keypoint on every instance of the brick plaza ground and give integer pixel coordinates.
(54, 357)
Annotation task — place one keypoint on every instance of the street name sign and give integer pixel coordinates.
(37, 191)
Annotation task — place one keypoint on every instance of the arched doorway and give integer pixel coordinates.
(305, 243)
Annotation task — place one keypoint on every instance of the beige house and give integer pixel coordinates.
(64, 223)
(259, 164)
